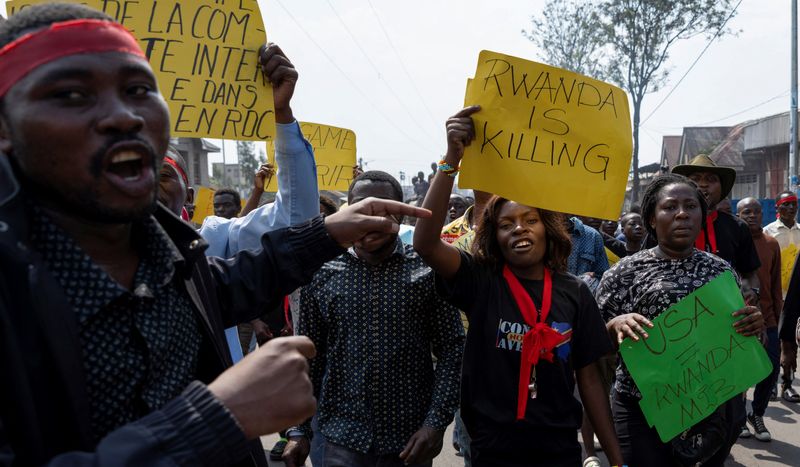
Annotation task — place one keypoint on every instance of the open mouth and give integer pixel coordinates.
(129, 168)
(521, 245)
(126, 165)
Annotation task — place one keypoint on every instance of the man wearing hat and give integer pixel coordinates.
(729, 238)
(724, 235)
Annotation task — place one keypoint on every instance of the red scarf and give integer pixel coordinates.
(700, 242)
(540, 341)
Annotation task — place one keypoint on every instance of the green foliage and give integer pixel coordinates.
(248, 161)
(570, 36)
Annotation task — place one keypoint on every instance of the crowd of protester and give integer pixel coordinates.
(358, 335)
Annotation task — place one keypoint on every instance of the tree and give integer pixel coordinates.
(637, 36)
(641, 33)
(248, 162)
(570, 36)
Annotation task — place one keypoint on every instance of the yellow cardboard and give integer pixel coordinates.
(205, 56)
(547, 137)
(203, 204)
(788, 257)
(334, 153)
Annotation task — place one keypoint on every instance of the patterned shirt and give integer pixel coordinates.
(646, 284)
(588, 252)
(139, 347)
(375, 328)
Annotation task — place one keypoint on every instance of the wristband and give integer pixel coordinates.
(448, 169)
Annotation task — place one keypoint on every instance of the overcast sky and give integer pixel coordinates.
(394, 71)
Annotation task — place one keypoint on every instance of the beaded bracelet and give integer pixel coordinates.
(448, 169)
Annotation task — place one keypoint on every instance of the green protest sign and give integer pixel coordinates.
(694, 361)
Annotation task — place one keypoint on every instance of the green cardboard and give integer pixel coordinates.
(694, 361)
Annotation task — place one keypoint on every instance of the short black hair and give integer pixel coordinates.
(650, 198)
(41, 16)
(328, 205)
(229, 191)
(377, 176)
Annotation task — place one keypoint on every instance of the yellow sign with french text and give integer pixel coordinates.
(548, 137)
(205, 57)
(334, 153)
(788, 257)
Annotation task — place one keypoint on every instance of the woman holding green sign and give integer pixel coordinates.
(641, 287)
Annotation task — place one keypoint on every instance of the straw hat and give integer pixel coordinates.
(703, 163)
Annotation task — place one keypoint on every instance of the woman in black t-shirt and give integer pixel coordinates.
(642, 286)
(519, 411)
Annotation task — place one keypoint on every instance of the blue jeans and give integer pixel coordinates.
(339, 456)
(764, 388)
(317, 454)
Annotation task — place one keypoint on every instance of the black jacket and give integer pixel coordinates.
(44, 410)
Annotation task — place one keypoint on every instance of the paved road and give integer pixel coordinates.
(782, 419)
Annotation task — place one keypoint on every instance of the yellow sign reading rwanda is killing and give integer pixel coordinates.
(205, 56)
(548, 137)
(334, 152)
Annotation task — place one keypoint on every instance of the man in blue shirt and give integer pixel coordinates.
(588, 257)
(297, 199)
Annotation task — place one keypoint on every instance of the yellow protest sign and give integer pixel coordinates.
(788, 257)
(612, 257)
(205, 56)
(548, 137)
(334, 153)
(203, 204)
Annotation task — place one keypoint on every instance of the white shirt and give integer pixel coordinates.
(784, 235)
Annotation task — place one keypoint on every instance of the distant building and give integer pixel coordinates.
(233, 175)
(195, 151)
(757, 149)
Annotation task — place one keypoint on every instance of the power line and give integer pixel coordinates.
(739, 112)
(784, 93)
(375, 68)
(349, 80)
(711, 41)
(404, 67)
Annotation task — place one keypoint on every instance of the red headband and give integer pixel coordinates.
(20, 57)
(170, 161)
(787, 199)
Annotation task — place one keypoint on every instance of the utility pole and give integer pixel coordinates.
(793, 111)
(224, 167)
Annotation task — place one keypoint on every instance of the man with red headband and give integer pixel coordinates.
(174, 190)
(787, 232)
(111, 317)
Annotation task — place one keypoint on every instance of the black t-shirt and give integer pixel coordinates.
(735, 244)
(490, 372)
(617, 247)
